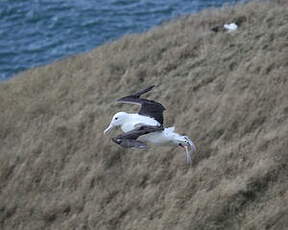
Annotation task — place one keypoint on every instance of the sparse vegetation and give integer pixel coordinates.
(227, 91)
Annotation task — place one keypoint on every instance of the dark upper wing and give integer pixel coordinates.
(148, 107)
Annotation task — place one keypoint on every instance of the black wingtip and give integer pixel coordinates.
(138, 94)
(129, 100)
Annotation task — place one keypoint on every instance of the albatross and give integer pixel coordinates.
(147, 126)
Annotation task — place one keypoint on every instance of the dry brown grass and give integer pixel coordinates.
(228, 92)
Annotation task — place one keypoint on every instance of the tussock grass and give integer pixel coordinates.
(227, 91)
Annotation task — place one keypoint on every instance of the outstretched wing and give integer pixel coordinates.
(148, 107)
(140, 131)
(129, 139)
(128, 143)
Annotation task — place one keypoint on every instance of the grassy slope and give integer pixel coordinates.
(228, 92)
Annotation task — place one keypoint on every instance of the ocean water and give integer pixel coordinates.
(37, 32)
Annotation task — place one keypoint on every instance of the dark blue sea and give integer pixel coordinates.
(37, 32)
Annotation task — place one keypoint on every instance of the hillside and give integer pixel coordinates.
(227, 91)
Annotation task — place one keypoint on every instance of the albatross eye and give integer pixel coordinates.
(116, 118)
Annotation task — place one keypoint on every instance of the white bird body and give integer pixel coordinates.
(135, 120)
(130, 121)
(230, 27)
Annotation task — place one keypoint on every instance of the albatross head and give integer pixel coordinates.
(117, 120)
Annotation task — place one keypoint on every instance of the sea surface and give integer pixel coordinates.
(37, 32)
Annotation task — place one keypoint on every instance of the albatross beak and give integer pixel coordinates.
(108, 129)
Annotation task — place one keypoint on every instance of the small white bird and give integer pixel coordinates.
(231, 27)
(136, 125)
(228, 27)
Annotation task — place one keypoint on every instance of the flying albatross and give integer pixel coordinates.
(147, 126)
